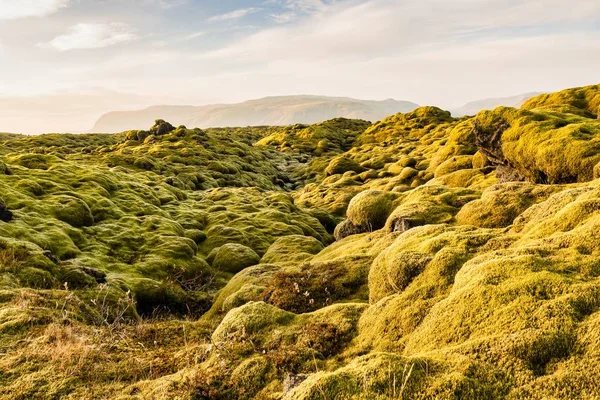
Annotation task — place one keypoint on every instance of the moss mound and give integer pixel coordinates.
(232, 257)
(584, 98)
(541, 145)
(292, 249)
(340, 165)
(73, 211)
(370, 209)
(501, 204)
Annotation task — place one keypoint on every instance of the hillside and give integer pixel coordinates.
(419, 257)
(474, 107)
(283, 110)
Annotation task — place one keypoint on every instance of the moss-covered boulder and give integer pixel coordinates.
(454, 164)
(249, 319)
(292, 249)
(370, 209)
(393, 270)
(426, 205)
(501, 204)
(346, 228)
(161, 127)
(72, 210)
(233, 257)
(36, 278)
(541, 145)
(340, 165)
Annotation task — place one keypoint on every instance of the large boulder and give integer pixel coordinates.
(340, 165)
(161, 127)
(73, 211)
(547, 145)
(370, 209)
(233, 257)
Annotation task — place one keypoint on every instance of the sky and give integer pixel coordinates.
(65, 62)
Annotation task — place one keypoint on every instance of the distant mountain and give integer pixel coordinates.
(284, 110)
(474, 107)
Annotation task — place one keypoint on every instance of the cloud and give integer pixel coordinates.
(303, 5)
(92, 36)
(195, 35)
(351, 29)
(387, 48)
(166, 4)
(233, 15)
(282, 18)
(15, 9)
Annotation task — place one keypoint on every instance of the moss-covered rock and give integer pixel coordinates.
(501, 204)
(541, 145)
(292, 249)
(393, 270)
(340, 165)
(370, 209)
(72, 210)
(36, 278)
(346, 228)
(232, 257)
(247, 320)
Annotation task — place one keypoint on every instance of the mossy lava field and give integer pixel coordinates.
(418, 257)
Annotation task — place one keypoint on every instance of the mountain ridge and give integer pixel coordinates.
(271, 110)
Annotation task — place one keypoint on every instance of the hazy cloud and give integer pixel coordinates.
(233, 15)
(282, 18)
(14, 9)
(93, 36)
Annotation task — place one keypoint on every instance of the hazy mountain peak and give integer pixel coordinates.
(272, 110)
(473, 107)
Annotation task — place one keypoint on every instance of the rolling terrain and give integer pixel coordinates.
(422, 256)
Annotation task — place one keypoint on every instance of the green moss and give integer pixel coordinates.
(292, 249)
(247, 320)
(454, 164)
(501, 204)
(442, 283)
(340, 165)
(376, 376)
(544, 146)
(72, 210)
(370, 209)
(393, 271)
(584, 98)
(233, 258)
(36, 278)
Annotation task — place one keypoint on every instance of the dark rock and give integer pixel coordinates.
(99, 276)
(402, 225)
(291, 381)
(506, 173)
(489, 143)
(5, 214)
(48, 254)
(161, 127)
(345, 229)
